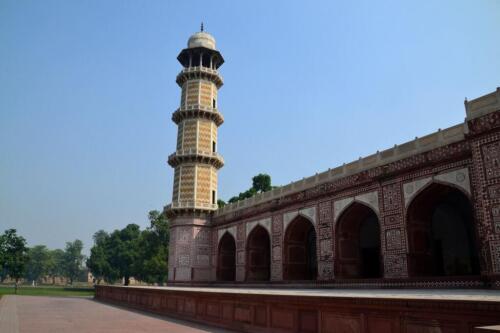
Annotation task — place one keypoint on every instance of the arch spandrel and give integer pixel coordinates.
(230, 230)
(265, 223)
(309, 213)
(457, 178)
(369, 199)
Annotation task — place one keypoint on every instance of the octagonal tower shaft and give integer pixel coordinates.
(196, 160)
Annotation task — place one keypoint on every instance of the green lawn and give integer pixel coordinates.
(47, 291)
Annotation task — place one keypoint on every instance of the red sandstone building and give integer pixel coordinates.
(424, 211)
(424, 214)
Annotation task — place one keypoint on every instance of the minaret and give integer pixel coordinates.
(195, 160)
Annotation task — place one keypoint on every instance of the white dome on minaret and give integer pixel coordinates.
(201, 39)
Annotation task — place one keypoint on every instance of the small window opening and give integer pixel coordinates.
(213, 197)
(213, 103)
(214, 146)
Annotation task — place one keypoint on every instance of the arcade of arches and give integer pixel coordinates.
(441, 242)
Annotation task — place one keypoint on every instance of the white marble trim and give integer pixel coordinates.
(221, 232)
(309, 213)
(457, 178)
(265, 223)
(369, 199)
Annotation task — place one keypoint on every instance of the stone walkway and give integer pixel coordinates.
(26, 314)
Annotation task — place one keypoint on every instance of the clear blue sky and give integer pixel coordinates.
(87, 89)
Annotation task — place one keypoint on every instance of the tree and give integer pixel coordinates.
(261, 183)
(55, 264)
(38, 263)
(130, 252)
(233, 199)
(98, 261)
(14, 255)
(3, 259)
(152, 266)
(220, 203)
(123, 252)
(73, 259)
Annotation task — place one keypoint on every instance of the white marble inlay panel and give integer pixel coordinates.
(339, 206)
(460, 178)
(371, 199)
(309, 212)
(266, 223)
(231, 230)
(411, 188)
(288, 217)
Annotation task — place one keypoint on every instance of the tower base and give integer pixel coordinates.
(190, 251)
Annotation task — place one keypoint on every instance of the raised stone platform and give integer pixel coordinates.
(317, 310)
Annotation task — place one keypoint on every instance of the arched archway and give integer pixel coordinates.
(441, 233)
(300, 262)
(258, 255)
(226, 259)
(358, 243)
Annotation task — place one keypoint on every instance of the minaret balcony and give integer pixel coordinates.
(199, 72)
(195, 156)
(197, 111)
(187, 207)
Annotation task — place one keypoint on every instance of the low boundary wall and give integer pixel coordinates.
(274, 312)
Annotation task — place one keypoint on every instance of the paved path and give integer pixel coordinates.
(26, 314)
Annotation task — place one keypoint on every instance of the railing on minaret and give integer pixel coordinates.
(195, 161)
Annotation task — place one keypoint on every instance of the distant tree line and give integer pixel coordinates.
(17, 261)
(130, 252)
(260, 183)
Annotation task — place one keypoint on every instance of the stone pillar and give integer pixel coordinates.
(240, 252)
(393, 245)
(325, 241)
(486, 191)
(277, 248)
(483, 122)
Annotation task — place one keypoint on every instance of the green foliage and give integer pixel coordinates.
(233, 199)
(55, 264)
(14, 254)
(131, 252)
(17, 260)
(260, 183)
(38, 263)
(73, 260)
(97, 263)
(152, 266)
(220, 203)
(123, 251)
